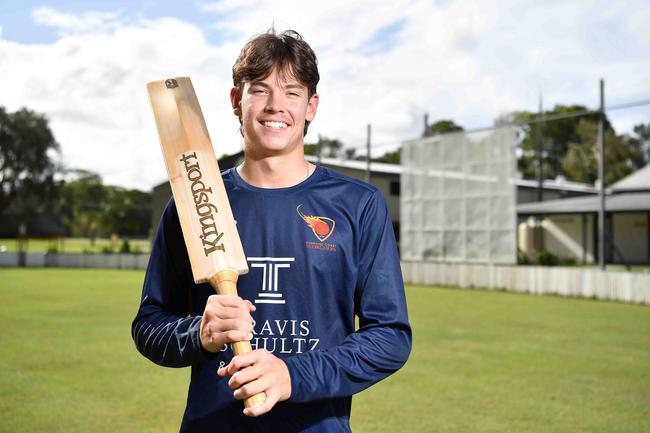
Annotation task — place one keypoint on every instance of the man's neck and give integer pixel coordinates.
(275, 171)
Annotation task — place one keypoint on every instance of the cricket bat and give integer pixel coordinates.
(213, 245)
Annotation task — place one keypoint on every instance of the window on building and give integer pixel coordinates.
(394, 188)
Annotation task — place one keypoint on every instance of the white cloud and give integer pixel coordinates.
(92, 88)
(87, 22)
(465, 60)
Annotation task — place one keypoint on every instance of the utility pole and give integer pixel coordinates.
(540, 153)
(601, 176)
(368, 155)
(319, 149)
(427, 129)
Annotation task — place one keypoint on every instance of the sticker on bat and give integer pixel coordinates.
(171, 83)
(205, 211)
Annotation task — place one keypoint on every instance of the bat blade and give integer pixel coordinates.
(209, 230)
(211, 237)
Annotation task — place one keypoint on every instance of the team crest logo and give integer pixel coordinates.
(321, 226)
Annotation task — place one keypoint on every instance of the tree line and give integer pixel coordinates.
(41, 197)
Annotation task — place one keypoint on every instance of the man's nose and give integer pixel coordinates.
(274, 103)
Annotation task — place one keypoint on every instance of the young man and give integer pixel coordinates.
(321, 249)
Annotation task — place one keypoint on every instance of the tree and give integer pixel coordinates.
(392, 157)
(92, 209)
(311, 149)
(82, 199)
(126, 212)
(581, 161)
(640, 142)
(444, 126)
(557, 134)
(28, 164)
(350, 153)
(329, 147)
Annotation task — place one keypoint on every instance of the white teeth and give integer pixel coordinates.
(277, 125)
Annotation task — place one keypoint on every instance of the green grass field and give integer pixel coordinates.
(481, 362)
(74, 245)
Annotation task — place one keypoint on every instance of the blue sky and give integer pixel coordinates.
(18, 24)
(85, 64)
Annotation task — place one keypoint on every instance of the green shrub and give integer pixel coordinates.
(569, 261)
(522, 258)
(125, 248)
(545, 258)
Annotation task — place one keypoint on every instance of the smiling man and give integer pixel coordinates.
(321, 250)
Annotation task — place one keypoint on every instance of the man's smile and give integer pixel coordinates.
(274, 124)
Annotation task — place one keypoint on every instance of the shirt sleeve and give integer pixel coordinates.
(163, 329)
(382, 343)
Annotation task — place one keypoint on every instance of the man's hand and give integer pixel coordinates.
(255, 372)
(226, 319)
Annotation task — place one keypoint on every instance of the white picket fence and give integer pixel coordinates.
(565, 281)
(71, 260)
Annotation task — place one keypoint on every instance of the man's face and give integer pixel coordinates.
(273, 112)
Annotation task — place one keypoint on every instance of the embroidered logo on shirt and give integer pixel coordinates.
(321, 226)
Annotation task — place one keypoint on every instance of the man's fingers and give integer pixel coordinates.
(246, 375)
(226, 325)
(254, 387)
(258, 372)
(238, 362)
(226, 300)
(227, 307)
(271, 400)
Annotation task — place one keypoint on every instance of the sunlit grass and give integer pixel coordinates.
(481, 362)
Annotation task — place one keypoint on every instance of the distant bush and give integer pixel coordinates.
(125, 248)
(569, 261)
(545, 258)
(52, 249)
(522, 258)
(106, 250)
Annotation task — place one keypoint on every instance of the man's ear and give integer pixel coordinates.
(235, 101)
(312, 107)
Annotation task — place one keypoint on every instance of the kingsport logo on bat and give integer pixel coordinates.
(204, 209)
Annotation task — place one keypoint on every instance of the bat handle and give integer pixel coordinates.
(225, 283)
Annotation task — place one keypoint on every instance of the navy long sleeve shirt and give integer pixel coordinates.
(319, 253)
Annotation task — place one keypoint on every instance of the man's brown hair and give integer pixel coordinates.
(287, 51)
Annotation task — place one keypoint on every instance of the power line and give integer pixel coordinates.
(536, 119)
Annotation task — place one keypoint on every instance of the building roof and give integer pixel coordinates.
(637, 181)
(558, 184)
(624, 202)
(375, 167)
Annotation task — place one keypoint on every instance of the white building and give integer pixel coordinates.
(568, 227)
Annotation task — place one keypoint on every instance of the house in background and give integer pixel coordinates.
(568, 227)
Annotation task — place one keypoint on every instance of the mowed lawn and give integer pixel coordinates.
(481, 362)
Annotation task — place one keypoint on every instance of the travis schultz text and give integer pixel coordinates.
(282, 336)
